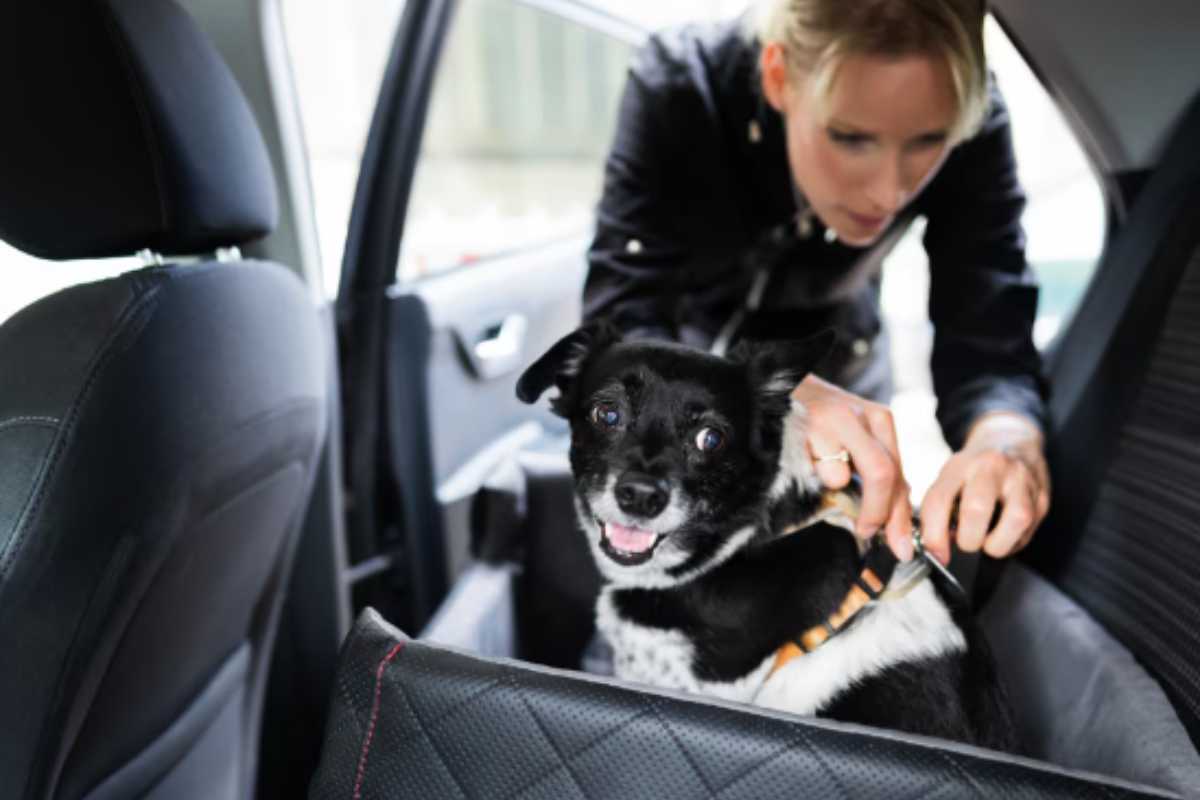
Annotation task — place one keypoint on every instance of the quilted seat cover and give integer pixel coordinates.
(413, 720)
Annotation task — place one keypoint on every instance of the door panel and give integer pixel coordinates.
(469, 410)
(489, 274)
(474, 421)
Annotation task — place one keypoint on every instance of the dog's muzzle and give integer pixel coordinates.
(628, 546)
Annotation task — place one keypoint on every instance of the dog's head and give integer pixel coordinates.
(673, 449)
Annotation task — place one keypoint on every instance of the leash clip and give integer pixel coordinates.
(931, 560)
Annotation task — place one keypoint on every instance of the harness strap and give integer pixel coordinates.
(878, 566)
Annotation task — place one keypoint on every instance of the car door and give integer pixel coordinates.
(464, 261)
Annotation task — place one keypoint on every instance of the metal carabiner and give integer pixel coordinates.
(931, 560)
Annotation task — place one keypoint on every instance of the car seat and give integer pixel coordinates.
(158, 431)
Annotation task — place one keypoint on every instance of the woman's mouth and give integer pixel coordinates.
(866, 221)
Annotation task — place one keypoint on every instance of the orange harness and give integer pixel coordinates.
(866, 588)
(878, 566)
(871, 585)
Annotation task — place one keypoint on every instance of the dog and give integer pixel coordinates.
(729, 570)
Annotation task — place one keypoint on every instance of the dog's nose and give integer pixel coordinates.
(642, 494)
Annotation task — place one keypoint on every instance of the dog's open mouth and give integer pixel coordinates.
(627, 546)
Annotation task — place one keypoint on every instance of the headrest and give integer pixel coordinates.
(123, 129)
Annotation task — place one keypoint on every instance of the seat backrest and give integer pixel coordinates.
(159, 430)
(1122, 537)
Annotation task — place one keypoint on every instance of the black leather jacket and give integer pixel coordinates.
(698, 198)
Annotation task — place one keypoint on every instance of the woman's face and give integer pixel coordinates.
(884, 133)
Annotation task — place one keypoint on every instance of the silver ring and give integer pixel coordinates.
(841, 455)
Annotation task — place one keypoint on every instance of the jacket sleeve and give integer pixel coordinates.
(983, 295)
(637, 250)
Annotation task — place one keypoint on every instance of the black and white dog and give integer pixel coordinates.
(687, 468)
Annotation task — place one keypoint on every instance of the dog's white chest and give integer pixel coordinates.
(664, 658)
(913, 628)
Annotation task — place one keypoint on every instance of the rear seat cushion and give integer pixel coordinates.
(1081, 700)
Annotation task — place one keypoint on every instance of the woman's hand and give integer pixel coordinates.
(839, 420)
(1001, 463)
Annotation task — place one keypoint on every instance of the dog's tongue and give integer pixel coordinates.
(629, 540)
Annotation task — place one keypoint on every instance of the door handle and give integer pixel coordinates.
(501, 353)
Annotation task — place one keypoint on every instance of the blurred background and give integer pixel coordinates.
(521, 117)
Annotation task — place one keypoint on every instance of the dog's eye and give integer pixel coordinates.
(606, 415)
(709, 440)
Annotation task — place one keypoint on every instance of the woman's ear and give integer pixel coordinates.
(772, 69)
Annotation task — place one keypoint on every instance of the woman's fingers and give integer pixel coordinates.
(840, 421)
(899, 523)
(1020, 516)
(937, 507)
(899, 526)
(977, 504)
(833, 473)
(879, 471)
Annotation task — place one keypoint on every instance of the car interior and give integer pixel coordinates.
(212, 464)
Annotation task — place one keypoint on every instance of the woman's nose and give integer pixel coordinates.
(889, 189)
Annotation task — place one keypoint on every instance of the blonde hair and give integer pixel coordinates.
(817, 35)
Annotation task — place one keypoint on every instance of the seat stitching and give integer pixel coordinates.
(783, 750)
(557, 751)
(817, 755)
(103, 354)
(49, 422)
(445, 715)
(671, 733)
(370, 735)
(963, 772)
(928, 791)
(590, 746)
(786, 748)
(432, 744)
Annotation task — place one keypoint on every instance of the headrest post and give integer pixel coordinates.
(150, 258)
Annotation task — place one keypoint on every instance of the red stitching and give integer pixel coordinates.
(366, 748)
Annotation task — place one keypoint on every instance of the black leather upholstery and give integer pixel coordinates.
(123, 129)
(411, 720)
(158, 431)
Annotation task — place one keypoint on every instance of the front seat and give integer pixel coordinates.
(159, 430)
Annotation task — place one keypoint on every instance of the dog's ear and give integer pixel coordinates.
(560, 365)
(777, 367)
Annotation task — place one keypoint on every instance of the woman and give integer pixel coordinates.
(758, 177)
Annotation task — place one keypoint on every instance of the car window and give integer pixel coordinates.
(338, 51)
(520, 120)
(1065, 229)
(25, 279)
(1065, 223)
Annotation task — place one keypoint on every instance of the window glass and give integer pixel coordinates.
(1065, 226)
(338, 51)
(520, 120)
(25, 279)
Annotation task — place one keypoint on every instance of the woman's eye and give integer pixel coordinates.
(852, 141)
(709, 440)
(606, 415)
(929, 142)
